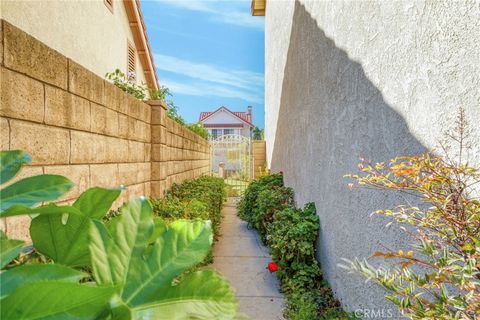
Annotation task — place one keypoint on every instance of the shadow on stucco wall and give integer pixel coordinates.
(330, 115)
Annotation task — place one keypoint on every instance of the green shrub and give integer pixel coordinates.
(291, 238)
(301, 306)
(209, 190)
(270, 201)
(130, 267)
(200, 198)
(291, 234)
(171, 208)
(248, 202)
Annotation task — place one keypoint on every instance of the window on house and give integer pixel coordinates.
(131, 63)
(109, 4)
(216, 133)
(228, 131)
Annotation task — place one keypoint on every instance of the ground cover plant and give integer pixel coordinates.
(129, 266)
(291, 233)
(438, 276)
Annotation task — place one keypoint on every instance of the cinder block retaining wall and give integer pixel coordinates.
(76, 124)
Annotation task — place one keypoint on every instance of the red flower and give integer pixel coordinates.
(272, 267)
(281, 172)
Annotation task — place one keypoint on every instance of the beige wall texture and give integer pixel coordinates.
(85, 31)
(76, 124)
(372, 79)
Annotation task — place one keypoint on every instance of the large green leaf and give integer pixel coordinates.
(9, 249)
(199, 295)
(114, 249)
(33, 190)
(57, 300)
(120, 255)
(159, 227)
(11, 162)
(66, 240)
(49, 209)
(95, 202)
(184, 245)
(15, 277)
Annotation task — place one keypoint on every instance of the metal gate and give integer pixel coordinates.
(232, 160)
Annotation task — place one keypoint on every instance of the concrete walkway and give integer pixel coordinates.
(242, 259)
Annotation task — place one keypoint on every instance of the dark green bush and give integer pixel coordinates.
(248, 202)
(269, 201)
(291, 234)
(291, 237)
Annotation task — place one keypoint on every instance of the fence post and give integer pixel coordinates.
(221, 170)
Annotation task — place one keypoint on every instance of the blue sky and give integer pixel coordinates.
(209, 53)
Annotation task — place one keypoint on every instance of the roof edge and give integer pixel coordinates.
(223, 107)
(139, 31)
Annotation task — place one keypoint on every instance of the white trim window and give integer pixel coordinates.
(215, 133)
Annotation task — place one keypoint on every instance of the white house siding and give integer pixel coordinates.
(376, 79)
(225, 117)
(85, 31)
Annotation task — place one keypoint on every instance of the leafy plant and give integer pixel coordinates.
(248, 202)
(161, 94)
(122, 257)
(258, 134)
(438, 277)
(172, 113)
(291, 238)
(138, 263)
(65, 239)
(171, 208)
(199, 129)
(127, 84)
(206, 189)
(270, 201)
(9, 249)
(291, 234)
(201, 198)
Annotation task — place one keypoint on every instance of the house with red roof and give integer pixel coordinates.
(223, 121)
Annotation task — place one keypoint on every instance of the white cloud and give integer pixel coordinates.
(236, 78)
(204, 89)
(230, 12)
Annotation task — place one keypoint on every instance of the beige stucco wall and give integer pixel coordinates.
(376, 79)
(87, 31)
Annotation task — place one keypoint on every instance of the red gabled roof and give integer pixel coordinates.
(223, 125)
(244, 116)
